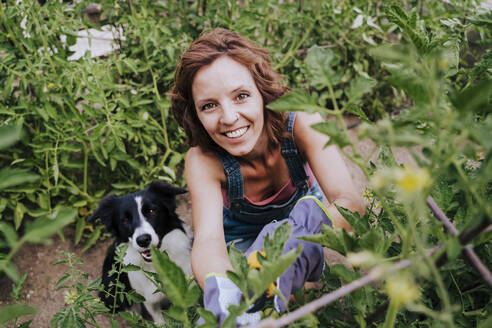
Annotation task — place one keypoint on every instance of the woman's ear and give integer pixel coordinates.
(105, 212)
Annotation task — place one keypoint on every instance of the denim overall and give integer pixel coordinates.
(244, 221)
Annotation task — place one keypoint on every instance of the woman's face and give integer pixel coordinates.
(229, 105)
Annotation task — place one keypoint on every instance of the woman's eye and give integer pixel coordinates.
(208, 106)
(242, 96)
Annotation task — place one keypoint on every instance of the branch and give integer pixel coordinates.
(373, 275)
(464, 239)
(378, 273)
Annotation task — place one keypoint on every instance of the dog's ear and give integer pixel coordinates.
(165, 188)
(105, 212)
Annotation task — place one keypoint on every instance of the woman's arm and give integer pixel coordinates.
(329, 168)
(209, 253)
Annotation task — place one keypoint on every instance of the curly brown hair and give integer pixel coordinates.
(202, 52)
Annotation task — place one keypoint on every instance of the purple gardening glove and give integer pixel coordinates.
(218, 294)
(305, 218)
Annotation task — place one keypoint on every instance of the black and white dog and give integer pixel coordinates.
(143, 219)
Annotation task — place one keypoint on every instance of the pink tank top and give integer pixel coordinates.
(280, 196)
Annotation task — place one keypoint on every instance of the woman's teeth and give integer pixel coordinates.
(236, 133)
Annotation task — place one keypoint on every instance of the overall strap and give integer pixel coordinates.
(235, 188)
(291, 154)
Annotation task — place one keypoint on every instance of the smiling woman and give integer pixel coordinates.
(229, 106)
(250, 169)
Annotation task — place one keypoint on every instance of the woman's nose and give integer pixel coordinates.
(229, 115)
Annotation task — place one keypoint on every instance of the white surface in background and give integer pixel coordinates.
(97, 42)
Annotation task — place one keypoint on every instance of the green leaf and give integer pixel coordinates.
(453, 248)
(373, 240)
(359, 87)
(360, 225)
(19, 212)
(9, 135)
(274, 247)
(241, 268)
(10, 270)
(193, 294)
(331, 129)
(94, 237)
(177, 313)
(475, 98)
(131, 267)
(3, 204)
(411, 26)
(42, 228)
(209, 318)
(486, 323)
(297, 101)
(346, 275)
(9, 233)
(319, 62)
(64, 278)
(172, 277)
(14, 177)
(79, 230)
(261, 279)
(349, 240)
(327, 238)
(273, 263)
(14, 311)
(135, 297)
(356, 110)
(95, 151)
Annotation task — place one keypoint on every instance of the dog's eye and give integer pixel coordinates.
(150, 211)
(126, 221)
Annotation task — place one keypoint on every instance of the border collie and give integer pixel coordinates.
(143, 219)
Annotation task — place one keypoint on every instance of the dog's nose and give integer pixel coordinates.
(144, 240)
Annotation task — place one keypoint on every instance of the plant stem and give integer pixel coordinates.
(73, 185)
(293, 49)
(86, 164)
(389, 322)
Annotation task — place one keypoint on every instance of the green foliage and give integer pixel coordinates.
(71, 130)
(181, 291)
(81, 305)
(14, 311)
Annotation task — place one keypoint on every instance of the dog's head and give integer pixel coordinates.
(142, 218)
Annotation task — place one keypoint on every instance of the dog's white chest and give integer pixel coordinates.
(138, 280)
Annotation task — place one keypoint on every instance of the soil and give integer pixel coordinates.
(39, 289)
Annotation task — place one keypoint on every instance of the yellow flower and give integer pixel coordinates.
(51, 85)
(255, 264)
(70, 296)
(368, 194)
(443, 64)
(402, 289)
(479, 156)
(412, 179)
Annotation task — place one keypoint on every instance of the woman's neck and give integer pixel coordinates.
(261, 153)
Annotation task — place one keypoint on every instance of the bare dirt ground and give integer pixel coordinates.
(39, 290)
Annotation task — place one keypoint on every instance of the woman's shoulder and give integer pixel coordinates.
(203, 163)
(305, 120)
(303, 132)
